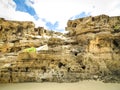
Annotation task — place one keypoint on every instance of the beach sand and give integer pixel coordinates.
(82, 85)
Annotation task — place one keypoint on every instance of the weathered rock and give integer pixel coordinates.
(91, 50)
(93, 24)
(100, 37)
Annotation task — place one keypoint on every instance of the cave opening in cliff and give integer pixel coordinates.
(76, 53)
(68, 70)
(74, 25)
(44, 68)
(60, 64)
(93, 19)
(83, 67)
(6, 29)
(10, 69)
(115, 43)
(27, 69)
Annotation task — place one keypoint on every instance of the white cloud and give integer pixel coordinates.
(105, 7)
(7, 11)
(62, 10)
(59, 10)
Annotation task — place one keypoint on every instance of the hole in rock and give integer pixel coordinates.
(83, 67)
(93, 19)
(52, 60)
(43, 68)
(10, 69)
(27, 69)
(76, 53)
(74, 25)
(115, 43)
(68, 69)
(60, 64)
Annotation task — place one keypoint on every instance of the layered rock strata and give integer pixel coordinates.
(91, 50)
(98, 41)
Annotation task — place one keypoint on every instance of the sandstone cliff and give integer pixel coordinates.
(91, 50)
(16, 35)
(99, 38)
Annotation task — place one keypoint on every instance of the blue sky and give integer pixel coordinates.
(81, 15)
(54, 14)
(21, 5)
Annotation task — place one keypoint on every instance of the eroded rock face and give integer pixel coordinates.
(11, 32)
(91, 50)
(93, 25)
(16, 35)
(51, 65)
(18, 66)
(14, 29)
(99, 37)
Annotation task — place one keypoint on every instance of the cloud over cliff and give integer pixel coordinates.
(53, 14)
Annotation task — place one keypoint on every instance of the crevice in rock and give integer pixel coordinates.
(60, 64)
(27, 69)
(115, 43)
(83, 67)
(44, 68)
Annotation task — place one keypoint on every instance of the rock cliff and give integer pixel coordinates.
(98, 41)
(91, 50)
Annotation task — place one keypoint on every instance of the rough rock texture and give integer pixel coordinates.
(98, 41)
(91, 50)
(16, 35)
(12, 30)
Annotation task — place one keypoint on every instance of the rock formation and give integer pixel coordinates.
(98, 41)
(91, 50)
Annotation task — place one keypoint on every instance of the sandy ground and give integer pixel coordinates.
(83, 85)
